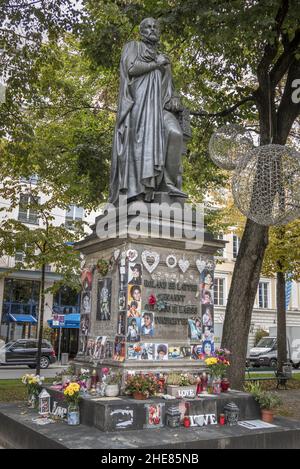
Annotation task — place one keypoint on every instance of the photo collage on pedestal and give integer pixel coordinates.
(85, 310)
(207, 307)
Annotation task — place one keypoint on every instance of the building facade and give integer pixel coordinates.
(264, 313)
(20, 289)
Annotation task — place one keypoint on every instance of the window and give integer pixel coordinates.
(263, 295)
(219, 287)
(20, 297)
(27, 212)
(73, 214)
(236, 245)
(220, 252)
(66, 300)
(19, 256)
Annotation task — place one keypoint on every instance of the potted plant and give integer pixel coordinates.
(112, 387)
(72, 396)
(266, 400)
(141, 386)
(181, 385)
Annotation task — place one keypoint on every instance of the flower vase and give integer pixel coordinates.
(31, 401)
(73, 414)
(216, 385)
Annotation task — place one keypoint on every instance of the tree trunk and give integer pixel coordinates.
(41, 321)
(241, 298)
(281, 321)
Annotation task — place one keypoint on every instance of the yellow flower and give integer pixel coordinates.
(211, 361)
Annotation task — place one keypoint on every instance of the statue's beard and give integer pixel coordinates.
(147, 38)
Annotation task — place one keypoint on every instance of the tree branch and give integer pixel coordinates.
(225, 112)
(271, 49)
(285, 60)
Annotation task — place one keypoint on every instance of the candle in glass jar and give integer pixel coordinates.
(222, 419)
(186, 422)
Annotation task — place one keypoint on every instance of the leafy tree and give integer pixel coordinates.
(282, 259)
(236, 60)
(25, 27)
(48, 243)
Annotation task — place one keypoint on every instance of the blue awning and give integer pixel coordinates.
(72, 321)
(22, 318)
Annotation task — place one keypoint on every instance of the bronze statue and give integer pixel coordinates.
(148, 140)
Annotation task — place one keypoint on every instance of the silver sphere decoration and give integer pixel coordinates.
(229, 144)
(266, 185)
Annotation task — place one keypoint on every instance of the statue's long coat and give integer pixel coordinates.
(139, 142)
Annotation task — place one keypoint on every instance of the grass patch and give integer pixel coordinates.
(12, 390)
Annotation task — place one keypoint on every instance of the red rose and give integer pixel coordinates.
(152, 300)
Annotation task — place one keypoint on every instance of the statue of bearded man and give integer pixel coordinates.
(148, 140)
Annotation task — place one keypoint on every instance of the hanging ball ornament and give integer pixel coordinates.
(229, 144)
(266, 185)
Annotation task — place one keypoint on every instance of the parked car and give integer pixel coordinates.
(265, 352)
(24, 352)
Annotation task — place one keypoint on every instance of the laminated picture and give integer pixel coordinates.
(86, 279)
(196, 352)
(134, 301)
(207, 316)
(147, 324)
(122, 300)
(121, 323)
(119, 349)
(147, 351)
(208, 347)
(134, 351)
(206, 297)
(154, 415)
(161, 352)
(133, 329)
(134, 274)
(84, 331)
(195, 328)
(86, 300)
(179, 352)
(90, 348)
(99, 350)
(104, 299)
(207, 279)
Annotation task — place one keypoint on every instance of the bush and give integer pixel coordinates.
(259, 334)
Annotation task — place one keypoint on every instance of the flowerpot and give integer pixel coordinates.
(267, 415)
(112, 390)
(73, 416)
(139, 396)
(225, 384)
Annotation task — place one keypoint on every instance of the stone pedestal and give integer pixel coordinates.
(151, 291)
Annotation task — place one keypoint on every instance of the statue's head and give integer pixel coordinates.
(149, 30)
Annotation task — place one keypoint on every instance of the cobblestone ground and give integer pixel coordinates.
(290, 406)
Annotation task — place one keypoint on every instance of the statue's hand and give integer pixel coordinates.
(162, 59)
(175, 104)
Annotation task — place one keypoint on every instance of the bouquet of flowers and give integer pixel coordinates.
(218, 363)
(71, 393)
(33, 384)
